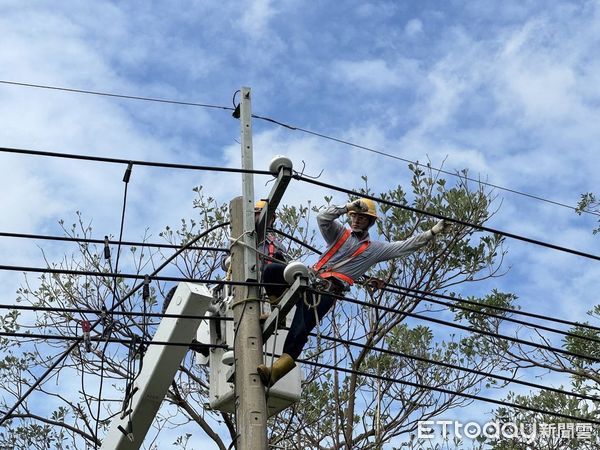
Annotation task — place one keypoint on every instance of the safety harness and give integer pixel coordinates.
(271, 249)
(326, 272)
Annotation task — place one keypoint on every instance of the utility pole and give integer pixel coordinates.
(251, 405)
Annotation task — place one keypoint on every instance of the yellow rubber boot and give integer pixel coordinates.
(271, 375)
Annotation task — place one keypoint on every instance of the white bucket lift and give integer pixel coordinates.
(127, 431)
(284, 393)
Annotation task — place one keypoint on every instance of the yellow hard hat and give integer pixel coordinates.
(371, 208)
(259, 205)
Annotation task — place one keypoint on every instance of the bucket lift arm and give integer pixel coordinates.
(161, 363)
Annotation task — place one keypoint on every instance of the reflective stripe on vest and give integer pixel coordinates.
(332, 251)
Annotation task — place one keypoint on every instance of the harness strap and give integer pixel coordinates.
(271, 249)
(339, 275)
(329, 271)
(332, 251)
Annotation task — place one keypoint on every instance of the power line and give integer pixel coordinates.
(425, 166)
(449, 392)
(324, 366)
(102, 241)
(464, 327)
(223, 249)
(489, 314)
(454, 366)
(460, 299)
(48, 270)
(417, 291)
(77, 339)
(247, 283)
(497, 308)
(131, 292)
(329, 338)
(449, 219)
(135, 162)
(308, 180)
(303, 130)
(127, 97)
(101, 312)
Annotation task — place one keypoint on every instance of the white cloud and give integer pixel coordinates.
(256, 16)
(413, 28)
(376, 74)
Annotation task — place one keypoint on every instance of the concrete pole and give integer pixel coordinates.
(251, 405)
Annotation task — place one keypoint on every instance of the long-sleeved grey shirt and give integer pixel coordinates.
(377, 251)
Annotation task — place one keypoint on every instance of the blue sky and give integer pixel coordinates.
(507, 89)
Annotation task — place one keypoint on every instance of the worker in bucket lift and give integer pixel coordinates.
(350, 255)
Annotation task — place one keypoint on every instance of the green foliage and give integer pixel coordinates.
(545, 428)
(336, 406)
(589, 203)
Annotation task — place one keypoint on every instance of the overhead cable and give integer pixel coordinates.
(82, 240)
(135, 162)
(465, 328)
(296, 128)
(449, 392)
(64, 355)
(494, 307)
(461, 299)
(427, 298)
(427, 166)
(453, 366)
(340, 369)
(106, 94)
(99, 312)
(251, 283)
(448, 219)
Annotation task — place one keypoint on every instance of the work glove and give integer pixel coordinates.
(356, 206)
(439, 227)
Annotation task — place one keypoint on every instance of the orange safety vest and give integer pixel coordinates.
(332, 251)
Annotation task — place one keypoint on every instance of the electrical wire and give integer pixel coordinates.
(448, 219)
(455, 367)
(234, 283)
(77, 339)
(116, 313)
(239, 283)
(64, 355)
(315, 250)
(461, 299)
(463, 327)
(127, 97)
(449, 392)
(138, 162)
(126, 179)
(426, 297)
(81, 240)
(330, 338)
(425, 166)
(303, 130)
(345, 370)
(497, 308)
(47, 270)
